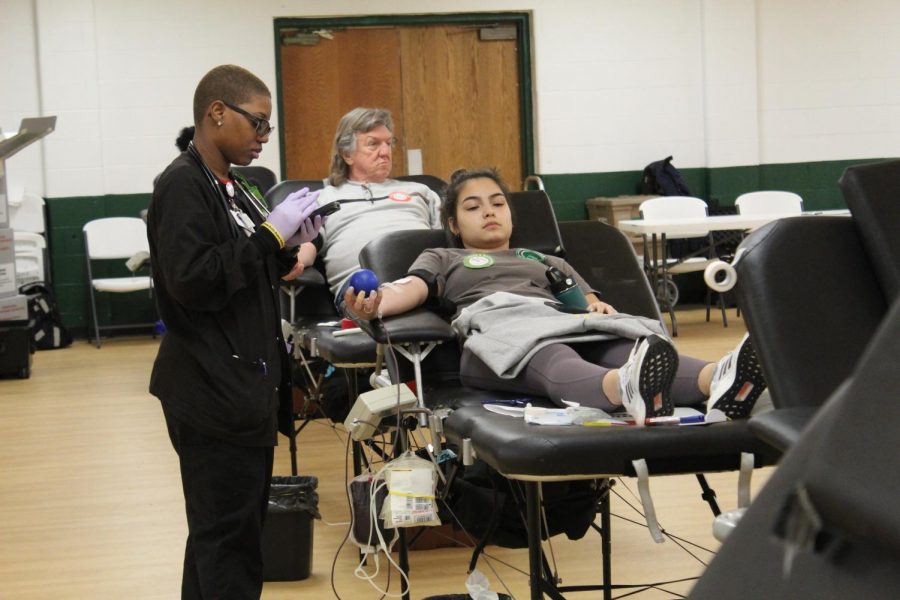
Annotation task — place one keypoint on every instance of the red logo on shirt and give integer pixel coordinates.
(400, 197)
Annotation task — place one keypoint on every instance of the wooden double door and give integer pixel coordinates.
(455, 97)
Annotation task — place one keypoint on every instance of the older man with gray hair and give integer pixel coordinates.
(372, 204)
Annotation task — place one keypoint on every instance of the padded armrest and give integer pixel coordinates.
(419, 325)
(782, 427)
(349, 350)
(309, 277)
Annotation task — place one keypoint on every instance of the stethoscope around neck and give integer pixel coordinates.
(226, 193)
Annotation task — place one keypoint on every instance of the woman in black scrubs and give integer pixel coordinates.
(217, 254)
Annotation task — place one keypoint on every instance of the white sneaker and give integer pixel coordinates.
(736, 383)
(646, 377)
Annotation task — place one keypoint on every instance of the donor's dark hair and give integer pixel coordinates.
(457, 180)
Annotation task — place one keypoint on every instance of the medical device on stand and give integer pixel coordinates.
(15, 338)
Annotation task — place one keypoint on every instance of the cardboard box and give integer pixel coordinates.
(612, 209)
(14, 309)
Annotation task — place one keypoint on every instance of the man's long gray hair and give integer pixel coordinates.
(358, 120)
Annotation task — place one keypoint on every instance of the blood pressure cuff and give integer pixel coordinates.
(434, 302)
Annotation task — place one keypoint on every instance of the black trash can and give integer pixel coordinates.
(287, 540)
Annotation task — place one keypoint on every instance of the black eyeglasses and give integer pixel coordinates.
(263, 127)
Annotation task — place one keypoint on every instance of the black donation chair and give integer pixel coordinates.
(531, 455)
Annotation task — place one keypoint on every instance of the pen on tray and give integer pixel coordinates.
(513, 402)
(672, 420)
(693, 419)
(604, 424)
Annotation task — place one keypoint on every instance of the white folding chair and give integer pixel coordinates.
(769, 202)
(114, 238)
(678, 207)
(29, 252)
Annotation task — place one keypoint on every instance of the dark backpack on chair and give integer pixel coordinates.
(663, 179)
(44, 320)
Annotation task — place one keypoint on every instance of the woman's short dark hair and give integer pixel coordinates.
(228, 83)
(457, 180)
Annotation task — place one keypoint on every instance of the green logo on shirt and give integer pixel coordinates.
(478, 261)
(530, 255)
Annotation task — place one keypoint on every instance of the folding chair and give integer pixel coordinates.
(30, 253)
(678, 207)
(115, 238)
(769, 202)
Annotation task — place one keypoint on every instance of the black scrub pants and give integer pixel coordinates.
(226, 491)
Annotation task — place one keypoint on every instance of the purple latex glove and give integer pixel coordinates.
(308, 230)
(292, 213)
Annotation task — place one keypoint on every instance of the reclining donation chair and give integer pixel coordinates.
(811, 303)
(815, 289)
(314, 319)
(826, 525)
(310, 278)
(531, 455)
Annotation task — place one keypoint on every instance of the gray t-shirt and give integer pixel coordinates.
(465, 276)
(367, 212)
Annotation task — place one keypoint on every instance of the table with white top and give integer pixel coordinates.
(693, 227)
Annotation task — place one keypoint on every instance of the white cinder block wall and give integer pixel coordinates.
(829, 79)
(618, 83)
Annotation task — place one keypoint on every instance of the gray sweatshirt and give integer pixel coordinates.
(505, 330)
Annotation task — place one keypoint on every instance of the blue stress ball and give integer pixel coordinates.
(364, 280)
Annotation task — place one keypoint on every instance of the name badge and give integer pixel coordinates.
(243, 221)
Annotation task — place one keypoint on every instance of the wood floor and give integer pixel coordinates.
(91, 505)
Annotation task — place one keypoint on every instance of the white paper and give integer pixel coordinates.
(547, 416)
(510, 411)
(414, 161)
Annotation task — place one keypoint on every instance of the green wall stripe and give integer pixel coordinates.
(816, 182)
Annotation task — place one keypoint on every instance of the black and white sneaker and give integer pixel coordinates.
(646, 378)
(736, 384)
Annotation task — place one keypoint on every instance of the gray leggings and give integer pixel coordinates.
(575, 373)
